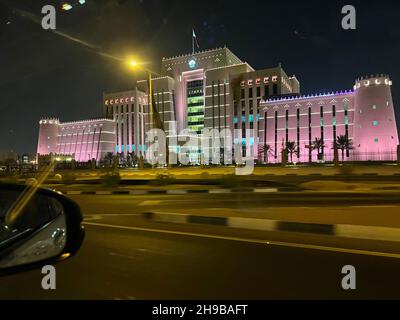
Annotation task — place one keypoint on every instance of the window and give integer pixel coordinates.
(242, 94)
(309, 135)
(275, 89)
(266, 91)
(376, 140)
(374, 107)
(250, 92)
(276, 135)
(258, 92)
(322, 124)
(287, 125)
(265, 127)
(298, 133)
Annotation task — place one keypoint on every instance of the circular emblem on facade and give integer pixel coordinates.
(192, 63)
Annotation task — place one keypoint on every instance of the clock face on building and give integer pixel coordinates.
(192, 63)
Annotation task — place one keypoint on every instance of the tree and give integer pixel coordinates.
(120, 159)
(319, 145)
(108, 158)
(343, 143)
(265, 151)
(10, 163)
(129, 160)
(291, 148)
(135, 159)
(141, 161)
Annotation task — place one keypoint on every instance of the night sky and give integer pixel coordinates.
(44, 74)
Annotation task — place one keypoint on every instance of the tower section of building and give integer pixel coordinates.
(81, 140)
(48, 136)
(129, 111)
(375, 132)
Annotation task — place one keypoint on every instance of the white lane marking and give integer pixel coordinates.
(114, 214)
(92, 217)
(123, 256)
(177, 191)
(265, 190)
(238, 239)
(149, 203)
(377, 206)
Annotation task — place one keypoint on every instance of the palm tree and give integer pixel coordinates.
(129, 159)
(265, 151)
(319, 145)
(120, 159)
(109, 158)
(343, 143)
(135, 159)
(291, 149)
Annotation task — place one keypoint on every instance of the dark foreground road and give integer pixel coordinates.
(119, 263)
(125, 257)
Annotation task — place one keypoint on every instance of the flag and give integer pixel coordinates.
(195, 39)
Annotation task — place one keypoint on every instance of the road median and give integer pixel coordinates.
(354, 231)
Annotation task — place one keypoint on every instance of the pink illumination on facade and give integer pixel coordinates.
(82, 140)
(365, 115)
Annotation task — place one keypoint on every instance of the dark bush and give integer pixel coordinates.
(111, 179)
(163, 180)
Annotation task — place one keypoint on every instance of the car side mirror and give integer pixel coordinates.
(37, 226)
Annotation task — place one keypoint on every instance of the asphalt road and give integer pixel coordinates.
(127, 204)
(125, 257)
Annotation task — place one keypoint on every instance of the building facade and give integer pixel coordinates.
(365, 115)
(82, 140)
(216, 90)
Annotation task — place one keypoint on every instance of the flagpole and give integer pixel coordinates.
(151, 100)
(193, 40)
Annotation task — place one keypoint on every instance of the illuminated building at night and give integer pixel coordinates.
(214, 89)
(365, 115)
(83, 140)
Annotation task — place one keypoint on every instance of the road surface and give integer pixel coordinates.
(126, 257)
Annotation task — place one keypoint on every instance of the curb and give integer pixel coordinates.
(179, 191)
(217, 191)
(336, 230)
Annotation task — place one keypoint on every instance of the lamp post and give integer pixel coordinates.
(137, 65)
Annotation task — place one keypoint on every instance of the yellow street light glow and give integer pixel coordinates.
(133, 63)
(66, 6)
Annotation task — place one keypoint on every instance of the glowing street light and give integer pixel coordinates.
(82, 1)
(66, 7)
(133, 63)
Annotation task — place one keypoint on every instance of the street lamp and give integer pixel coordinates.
(66, 7)
(134, 64)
